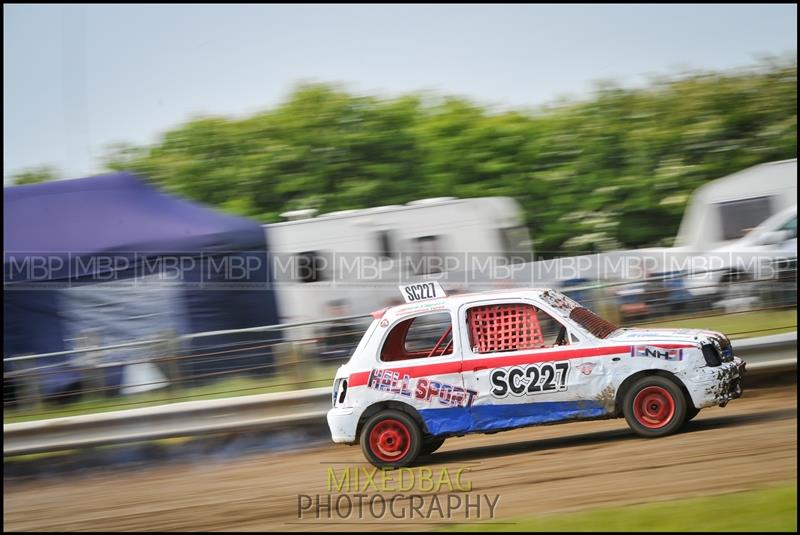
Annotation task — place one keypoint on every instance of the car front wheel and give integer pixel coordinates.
(654, 406)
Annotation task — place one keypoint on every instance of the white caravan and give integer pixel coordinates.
(719, 216)
(724, 210)
(351, 262)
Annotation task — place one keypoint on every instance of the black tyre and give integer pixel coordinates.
(430, 445)
(691, 412)
(391, 439)
(654, 406)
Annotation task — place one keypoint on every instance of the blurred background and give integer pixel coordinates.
(208, 202)
(580, 176)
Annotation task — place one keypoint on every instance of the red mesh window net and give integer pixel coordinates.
(504, 328)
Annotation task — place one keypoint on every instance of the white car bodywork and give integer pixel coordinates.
(462, 392)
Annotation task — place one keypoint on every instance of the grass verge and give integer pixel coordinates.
(738, 324)
(772, 509)
(315, 376)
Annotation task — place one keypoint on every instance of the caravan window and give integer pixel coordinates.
(516, 244)
(385, 250)
(427, 258)
(310, 266)
(739, 217)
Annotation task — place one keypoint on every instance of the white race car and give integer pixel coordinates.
(439, 366)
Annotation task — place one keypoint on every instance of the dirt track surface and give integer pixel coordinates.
(751, 443)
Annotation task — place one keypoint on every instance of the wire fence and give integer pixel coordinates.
(306, 354)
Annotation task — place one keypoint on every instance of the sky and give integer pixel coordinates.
(78, 78)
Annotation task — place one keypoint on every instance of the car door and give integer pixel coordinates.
(517, 357)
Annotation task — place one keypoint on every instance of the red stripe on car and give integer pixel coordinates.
(471, 365)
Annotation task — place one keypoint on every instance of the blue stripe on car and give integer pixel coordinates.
(479, 418)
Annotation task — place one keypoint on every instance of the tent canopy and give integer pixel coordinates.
(121, 216)
(115, 213)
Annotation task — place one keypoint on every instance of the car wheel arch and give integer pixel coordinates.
(631, 380)
(386, 405)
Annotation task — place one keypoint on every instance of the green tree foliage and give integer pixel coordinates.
(613, 171)
(33, 176)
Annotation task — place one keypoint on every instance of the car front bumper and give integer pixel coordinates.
(724, 383)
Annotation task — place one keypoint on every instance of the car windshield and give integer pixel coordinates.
(579, 314)
(592, 322)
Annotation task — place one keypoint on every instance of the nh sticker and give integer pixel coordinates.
(422, 291)
(657, 353)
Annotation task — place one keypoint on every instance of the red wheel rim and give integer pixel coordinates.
(653, 407)
(390, 440)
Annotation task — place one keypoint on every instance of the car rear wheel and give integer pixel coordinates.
(654, 406)
(391, 439)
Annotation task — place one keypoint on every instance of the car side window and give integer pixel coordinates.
(513, 327)
(430, 335)
(790, 227)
